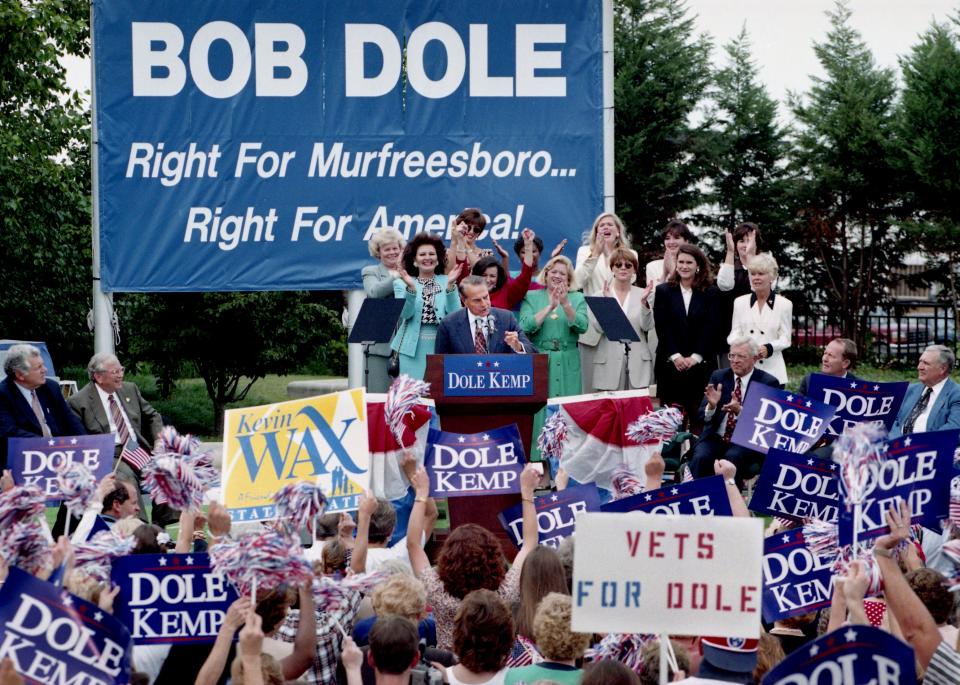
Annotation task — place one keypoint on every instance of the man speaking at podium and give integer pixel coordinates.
(479, 328)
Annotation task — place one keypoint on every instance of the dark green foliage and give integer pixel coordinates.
(44, 178)
(661, 73)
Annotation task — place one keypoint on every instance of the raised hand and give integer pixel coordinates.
(712, 393)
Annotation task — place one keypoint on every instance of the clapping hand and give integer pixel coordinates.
(713, 393)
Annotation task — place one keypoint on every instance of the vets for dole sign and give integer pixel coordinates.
(170, 598)
(54, 637)
(34, 461)
(857, 401)
(637, 573)
(797, 487)
(319, 439)
(776, 418)
(851, 655)
(471, 464)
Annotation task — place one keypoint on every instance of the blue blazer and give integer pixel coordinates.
(407, 336)
(455, 336)
(944, 415)
(17, 419)
(726, 380)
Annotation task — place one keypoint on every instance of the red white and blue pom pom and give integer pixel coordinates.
(656, 426)
(94, 556)
(77, 484)
(169, 479)
(173, 442)
(951, 550)
(18, 503)
(822, 537)
(25, 545)
(859, 451)
(404, 394)
(331, 595)
(552, 436)
(301, 503)
(627, 648)
(625, 482)
(264, 560)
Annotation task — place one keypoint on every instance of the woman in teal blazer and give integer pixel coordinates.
(428, 296)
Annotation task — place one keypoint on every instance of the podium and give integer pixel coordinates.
(465, 407)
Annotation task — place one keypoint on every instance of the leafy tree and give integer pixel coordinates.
(848, 192)
(747, 154)
(229, 339)
(929, 126)
(661, 73)
(44, 177)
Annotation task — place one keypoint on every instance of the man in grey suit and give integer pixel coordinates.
(933, 403)
(108, 404)
(479, 328)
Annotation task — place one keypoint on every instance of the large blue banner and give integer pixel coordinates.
(36, 461)
(918, 468)
(471, 464)
(170, 598)
(774, 418)
(53, 637)
(857, 401)
(258, 145)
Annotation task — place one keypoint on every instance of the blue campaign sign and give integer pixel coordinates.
(857, 401)
(776, 418)
(469, 464)
(53, 637)
(487, 375)
(701, 497)
(851, 654)
(795, 580)
(556, 514)
(171, 598)
(258, 144)
(917, 468)
(34, 461)
(797, 487)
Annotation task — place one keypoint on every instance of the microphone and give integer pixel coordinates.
(491, 324)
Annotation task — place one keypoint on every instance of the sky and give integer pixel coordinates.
(782, 32)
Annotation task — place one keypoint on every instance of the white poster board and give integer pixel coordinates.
(681, 575)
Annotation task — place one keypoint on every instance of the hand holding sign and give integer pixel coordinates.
(898, 518)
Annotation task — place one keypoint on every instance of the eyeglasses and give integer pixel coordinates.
(477, 230)
(112, 372)
(734, 357)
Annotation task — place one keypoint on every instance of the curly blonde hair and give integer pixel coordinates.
(551, 629)
(400, 595)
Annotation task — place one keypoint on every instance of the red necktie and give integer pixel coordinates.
(479, 341)
(731, 417)
(118, 421)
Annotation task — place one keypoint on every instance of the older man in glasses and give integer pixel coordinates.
(720, 409)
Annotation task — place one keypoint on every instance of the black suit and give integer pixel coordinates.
(17, 419)
(455, 337)
(684, 332)
(711, 446)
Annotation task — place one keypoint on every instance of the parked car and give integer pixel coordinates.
(899, 339)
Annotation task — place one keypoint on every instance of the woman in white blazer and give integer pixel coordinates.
(635, 303)
(764, 316)
(593, 274)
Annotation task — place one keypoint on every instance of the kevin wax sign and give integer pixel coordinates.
(635, 573)
(171, 598)
(35, 461)
(54, 638)
(499, 375)
(776, 418)
(469, 464)
(857, 401)
(318, 439)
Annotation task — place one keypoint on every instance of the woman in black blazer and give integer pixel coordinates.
(685, 315)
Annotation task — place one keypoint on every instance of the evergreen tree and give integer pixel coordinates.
(661, 73)
(847, 189)
(929, 126)
(748, 151)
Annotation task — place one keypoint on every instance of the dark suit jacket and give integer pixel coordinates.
(685, 332)
(726, 378)
(146, 421)
(455, 337)
(805, 383)
(17, 419)
(944, 415)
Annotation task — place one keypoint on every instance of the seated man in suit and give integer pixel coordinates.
(479, 328)
(30, 405)
(933, 404)
(108, 404)
(720, 408)
(839, 357)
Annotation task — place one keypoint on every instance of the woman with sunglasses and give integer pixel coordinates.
(467, 227)
(608, 362)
